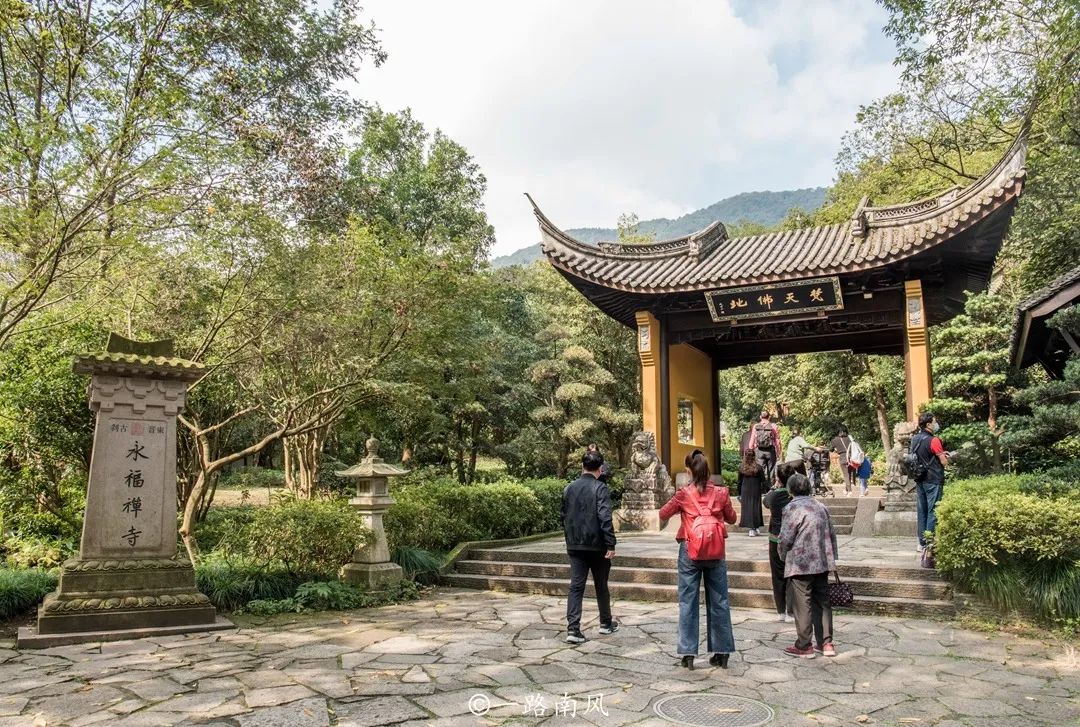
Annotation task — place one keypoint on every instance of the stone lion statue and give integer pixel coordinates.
(643, 457)
(899, 486)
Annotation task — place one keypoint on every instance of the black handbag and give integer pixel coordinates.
(841, 594)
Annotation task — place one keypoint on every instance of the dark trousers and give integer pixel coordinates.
(779, 583)
(810, 604)
(582, 562)
(766, 459)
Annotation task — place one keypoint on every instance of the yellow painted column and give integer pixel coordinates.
(691, 397)
(648, 339)
(919, 382)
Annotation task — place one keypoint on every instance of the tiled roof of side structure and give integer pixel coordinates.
(707, 259)
(1039, 297)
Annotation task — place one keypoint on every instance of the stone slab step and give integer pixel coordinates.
(753, 580)
(739, 598)
(847, 570)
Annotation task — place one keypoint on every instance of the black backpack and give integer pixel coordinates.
(763, 437)
(915, 466)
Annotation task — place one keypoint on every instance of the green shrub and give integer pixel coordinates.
(1060, 481)
(438, 514)
(549, 493)
(23, 552)
(419, 565)
(230, 584)
(21, 590)
(333, 596)
(1018, 550)
(303, 536)
(221, 523)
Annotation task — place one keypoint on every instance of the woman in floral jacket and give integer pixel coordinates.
(808, 548)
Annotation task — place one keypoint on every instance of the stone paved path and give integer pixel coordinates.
(422, 663)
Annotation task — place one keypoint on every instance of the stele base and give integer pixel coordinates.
(116, 600)
(628, 521)
(896, 523)
(373, 576)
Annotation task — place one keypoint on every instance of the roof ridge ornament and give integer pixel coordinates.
(701, 244)
(859, 223)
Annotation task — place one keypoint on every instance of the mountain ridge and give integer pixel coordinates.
(763, 208)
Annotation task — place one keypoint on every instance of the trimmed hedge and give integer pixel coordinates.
(1019, 550)
(438, 514)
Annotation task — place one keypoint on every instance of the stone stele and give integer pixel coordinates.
(371, 566)
(129, 580)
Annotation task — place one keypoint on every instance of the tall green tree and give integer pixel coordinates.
(971, 375)
(120, 118)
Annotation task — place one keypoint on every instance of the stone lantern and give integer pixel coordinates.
(371, 566)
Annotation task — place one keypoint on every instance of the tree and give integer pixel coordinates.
(629, 231)
(974, 72)
(120, 118)
(971, 373)
(569, 410)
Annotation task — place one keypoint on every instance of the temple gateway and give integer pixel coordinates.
(706, 302)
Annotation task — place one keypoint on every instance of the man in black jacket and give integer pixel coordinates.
(590, 543)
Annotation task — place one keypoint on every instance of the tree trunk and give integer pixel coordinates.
(459, 452)
(991, 423)
(308, 455)
(564, 454)
(287, 465)
(474, 447)
(880, 406)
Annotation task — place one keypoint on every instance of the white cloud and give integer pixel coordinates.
(599, 108)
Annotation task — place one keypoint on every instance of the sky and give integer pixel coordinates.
(604, 107)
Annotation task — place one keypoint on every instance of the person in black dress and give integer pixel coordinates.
(751, 477)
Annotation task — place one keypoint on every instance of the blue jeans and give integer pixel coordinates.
(721, 639)
(927, 495)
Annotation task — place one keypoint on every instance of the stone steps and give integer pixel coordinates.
(841, 510)
(536, 569)
(740, 598)
(745, 580)
(847, 570)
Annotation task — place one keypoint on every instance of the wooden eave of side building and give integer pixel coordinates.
(1032, 340)
(954, 235)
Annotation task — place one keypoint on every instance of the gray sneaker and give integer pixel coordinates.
(609, 628)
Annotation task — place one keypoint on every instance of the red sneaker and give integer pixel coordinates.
(807, 653)
(826, 650)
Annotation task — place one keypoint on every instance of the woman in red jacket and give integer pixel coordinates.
(689, 502)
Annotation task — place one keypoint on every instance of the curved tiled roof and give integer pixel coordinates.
(135, 365)
(875, 236)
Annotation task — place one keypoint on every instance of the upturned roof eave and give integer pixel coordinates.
(954, 211)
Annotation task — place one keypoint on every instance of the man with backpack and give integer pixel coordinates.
(585, 516)
(765, 439)
(926, 462)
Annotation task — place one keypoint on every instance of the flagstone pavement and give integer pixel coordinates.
(432, 661)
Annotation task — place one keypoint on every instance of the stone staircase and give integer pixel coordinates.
(878, 589)
(841, 510)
